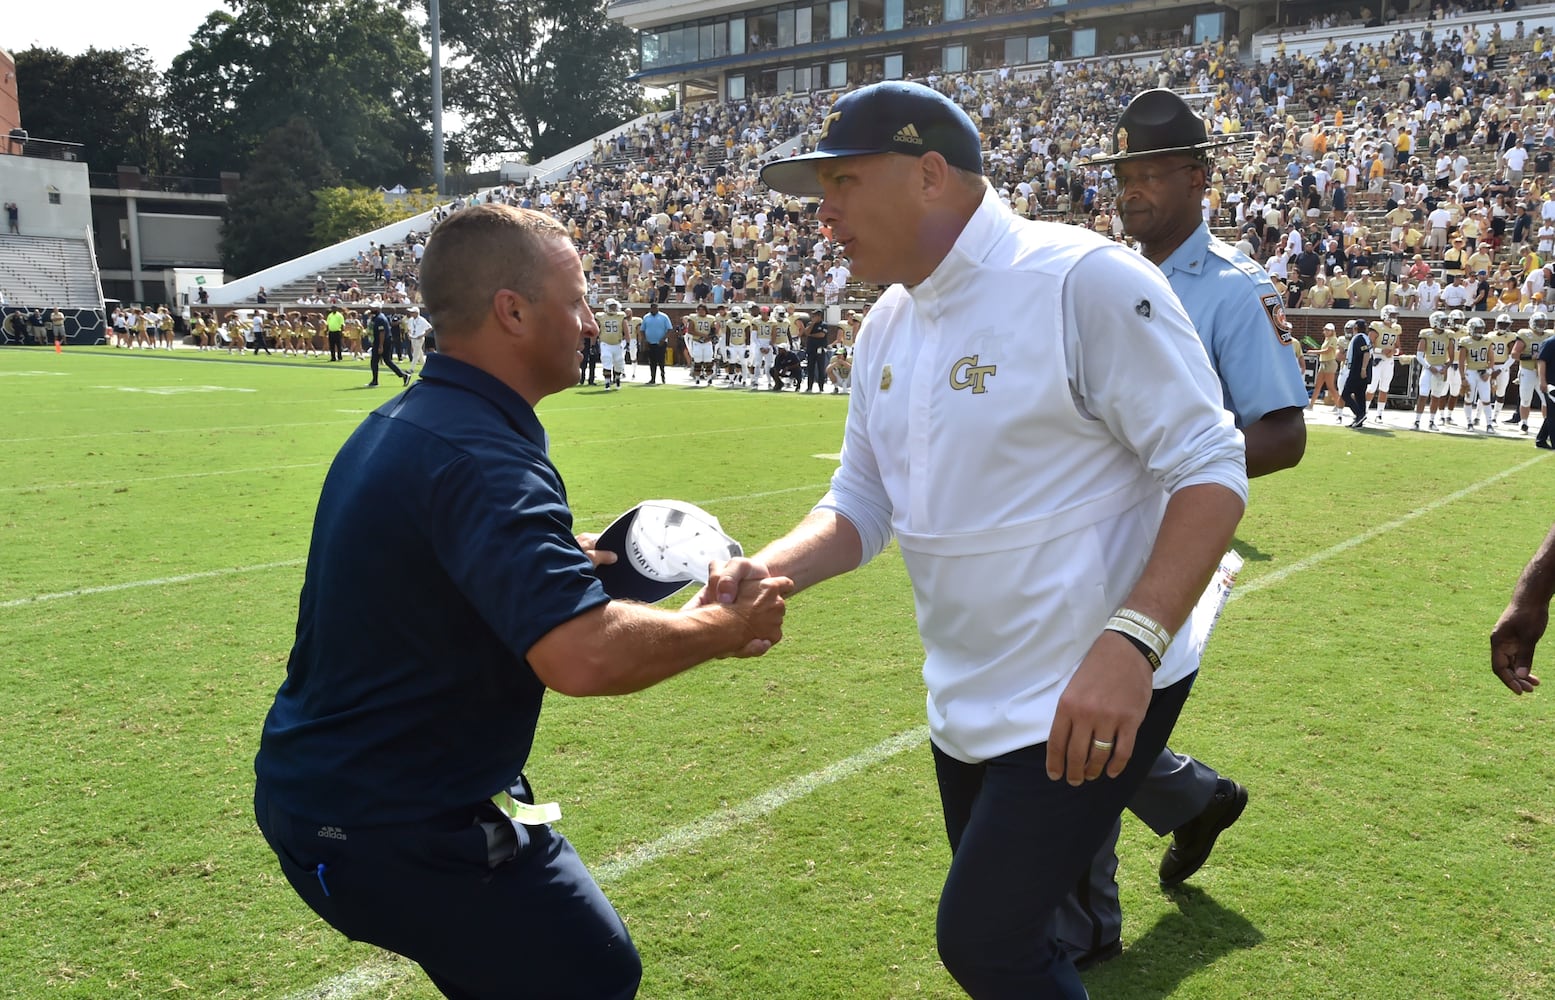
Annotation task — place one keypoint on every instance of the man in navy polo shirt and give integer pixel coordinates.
(390, 770)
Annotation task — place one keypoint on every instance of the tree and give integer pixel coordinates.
(537, 75)
(108, 100)
(354, 69)
(340, 213)
(267, 218)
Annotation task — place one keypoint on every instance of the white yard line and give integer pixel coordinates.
(261, 567)
(1300, 565)
(381, 972)
(240, 429)
(159, 582)
(84, 484)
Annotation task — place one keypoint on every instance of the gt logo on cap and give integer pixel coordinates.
(827, 121)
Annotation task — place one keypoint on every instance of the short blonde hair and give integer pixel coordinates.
(477, 252)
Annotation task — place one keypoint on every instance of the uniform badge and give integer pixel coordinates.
(885, 378)
(1274, 305)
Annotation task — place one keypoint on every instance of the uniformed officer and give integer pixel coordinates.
(1162, 169)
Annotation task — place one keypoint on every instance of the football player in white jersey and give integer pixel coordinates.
(1476, 356)
(1457, 325)
(737, 334)
(760, 364)
(1528, 387)
(1435, 354)
(1504, 344)
(700, 330)
(613, 329)
(1388, 335)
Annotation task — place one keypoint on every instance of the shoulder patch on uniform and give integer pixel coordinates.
(1237, 259)
(1275, 307)
(1143, 308)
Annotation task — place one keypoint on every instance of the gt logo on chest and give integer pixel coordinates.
(968, 374)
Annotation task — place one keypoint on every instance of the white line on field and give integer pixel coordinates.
(240, 429)
(688, 434)
(208, 574)
(161, 582)
(1276, 576)
(381, 972)
(770, 801)
(39, 487)
(356, 982)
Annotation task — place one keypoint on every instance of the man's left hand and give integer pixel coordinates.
(599, 557)
(1105, 701)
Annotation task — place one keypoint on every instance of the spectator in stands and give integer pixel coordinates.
(13, 219)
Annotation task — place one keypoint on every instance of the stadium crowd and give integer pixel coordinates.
(1414, 172)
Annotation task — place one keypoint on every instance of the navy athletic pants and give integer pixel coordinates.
(1019, 843)
(488, 909)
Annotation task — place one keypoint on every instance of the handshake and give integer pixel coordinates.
(752, 601)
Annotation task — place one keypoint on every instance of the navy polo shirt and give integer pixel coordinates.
(442, 550)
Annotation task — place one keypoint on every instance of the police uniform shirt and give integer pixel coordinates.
(1240, 318)
(456, 470)
(1039, 537)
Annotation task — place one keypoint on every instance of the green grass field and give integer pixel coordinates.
(769, 828)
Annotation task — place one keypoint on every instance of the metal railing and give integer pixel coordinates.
(19, 143)
(155, 183)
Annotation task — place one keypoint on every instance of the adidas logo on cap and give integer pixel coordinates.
(908, 133)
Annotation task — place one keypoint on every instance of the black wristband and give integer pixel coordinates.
(1144, 650)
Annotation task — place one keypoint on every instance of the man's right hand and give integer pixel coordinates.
(723, 582)
(1512, 644)
(760, 603)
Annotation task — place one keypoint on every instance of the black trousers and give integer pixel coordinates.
(380, 354)
(815, 355)
(336, 346)
(1354, 396)
(656, 362)
(588, 357)
(1019, 841)
(489, 909)
(259, 342)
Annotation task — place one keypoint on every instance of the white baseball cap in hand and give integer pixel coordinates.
(660, 546)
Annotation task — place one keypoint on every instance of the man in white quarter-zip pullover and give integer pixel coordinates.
(1056, 532)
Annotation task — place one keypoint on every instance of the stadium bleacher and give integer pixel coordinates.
(683, 186)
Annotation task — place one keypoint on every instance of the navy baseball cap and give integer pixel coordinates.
(660, 546)
(891, 117)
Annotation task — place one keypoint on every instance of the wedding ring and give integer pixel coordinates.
(1102, 745)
